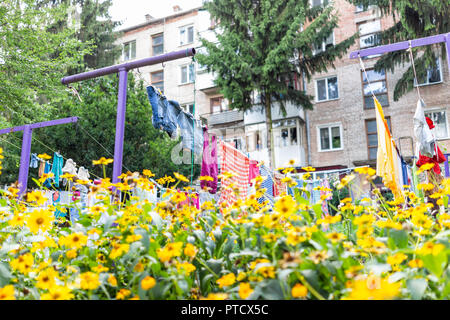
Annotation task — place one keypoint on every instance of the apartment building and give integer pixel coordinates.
(340, 132)
(342, 124)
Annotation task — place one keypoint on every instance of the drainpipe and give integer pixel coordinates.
(308, 140)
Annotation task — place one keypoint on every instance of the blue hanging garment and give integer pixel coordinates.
(190, 130)
(57, 168)
(34, 160)
(47, 182)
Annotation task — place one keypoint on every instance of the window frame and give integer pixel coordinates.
(222, 99)
(370, 94)
(368, 34)
(428, 111)
(186, 27)
(388, 120)
(187, 66)
(153, 36)
(321, 3)
(162, 81)
(329, 126)
(186, 107)
(326, 82)
(130, 50)
(316, 52)
(288, 127)
(433, 83)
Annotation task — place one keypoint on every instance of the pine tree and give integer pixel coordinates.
(412, 19)
(262, 45)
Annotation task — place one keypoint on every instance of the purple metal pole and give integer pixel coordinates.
(447, 170)
(447, 43)
(129, 65)
(120, 124)
(25, 159)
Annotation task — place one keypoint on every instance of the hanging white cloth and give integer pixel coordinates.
(422, 132)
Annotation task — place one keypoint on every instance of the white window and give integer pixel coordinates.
(200, 67)
(186, 35)
(188, 107)
(287, 134)
(434, 75)
(369, 34)
(330, 137)
(439, 118)
(360, 8)
(129, 50)
(187, 74)
(327, 89)
(316, 3)
(324, 45)
(158, 44)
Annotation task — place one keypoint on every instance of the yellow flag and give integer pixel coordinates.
(387, 162)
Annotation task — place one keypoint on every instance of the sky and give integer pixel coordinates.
(132, 12)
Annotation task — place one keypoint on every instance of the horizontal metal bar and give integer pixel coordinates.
(398, 46)
(40, 125)
(129, 65)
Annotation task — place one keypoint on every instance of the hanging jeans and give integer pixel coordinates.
(190, 130)
(47, 182)
(209, 162)
(165, 112)
(34, 160)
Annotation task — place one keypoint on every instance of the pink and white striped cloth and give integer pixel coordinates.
(236, 162)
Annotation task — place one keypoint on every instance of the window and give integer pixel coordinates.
(157, 44)
(218, 104)
(440, 123)
(330, 137)
(327, 89)
(157, 80)
(291, 81)
(316, 3)
(378, 85)
(188, 107)
(372, 137)
(324, 45)
(187, 74)
(129, 50)
(369, 34)
(434, 75)
(360, 8)
(186, 35)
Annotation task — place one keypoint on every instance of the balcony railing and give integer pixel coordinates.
(224, 117)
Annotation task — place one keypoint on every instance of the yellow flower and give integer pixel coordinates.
(122, 294)
(76, 240)
(112, 280)
(424, 167)
(373, 288)
(102, 161)
(206, 178)
(190, 250)
(148, 283)
(245, 290)
(89, 281)
(46, 279)
(139, 267)
(7, 293)
(308, 169)
(431, 248)
(336, 237)
(180, 177)
(226, 280)
(36, 196)
(396, 259)
(133, 238)
(44, 156)
(286, 206)
(23, 263)
(100, 268)
(178, 197)
(364, 220)
(118, 249)
(299, 291)
(71, 254)
(186, 266)
(17, 220)
(425, 186)
(421, 220)
(366, 170)
(46, 176)
(318, 256)
(68, 176)
(40, 220)
(148, 173)
(329, 219)
(345, 181)
(215, 296)
(415, 263)
(58, 293)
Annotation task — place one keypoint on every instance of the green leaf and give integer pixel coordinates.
(5, 275)
(215, 265)
(272, 290)
(435, 263)
(145, 240)
(417, 288)
(397, 238)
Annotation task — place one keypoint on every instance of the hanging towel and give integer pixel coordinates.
(422, 131)
(253, 171)
(266, 184)
(438, 156)
(70, 167)
(41, 168)
(278, 186)
(57, 168)
(235, 162)
(387, 163)
(34, 160)
(209, 162)
(83, 174)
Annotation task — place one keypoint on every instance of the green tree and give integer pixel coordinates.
(94, 135)
(263, 44)
(412, 19)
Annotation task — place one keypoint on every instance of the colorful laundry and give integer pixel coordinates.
(209, 163)
(235, 162)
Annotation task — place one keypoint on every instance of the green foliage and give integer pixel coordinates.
(412, 19)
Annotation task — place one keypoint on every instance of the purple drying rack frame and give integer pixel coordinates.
(26, 145)
(445, 37)
(123, 69)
